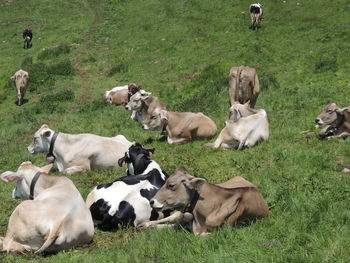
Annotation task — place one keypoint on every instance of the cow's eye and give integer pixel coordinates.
(171, 187)
(153, 117)
(329, 111)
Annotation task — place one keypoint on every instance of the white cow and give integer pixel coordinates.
(79, 152)
(54, 218)
(245, 128)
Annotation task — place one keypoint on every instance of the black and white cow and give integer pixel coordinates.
(256, 15)
(27, 36)
(125, 202)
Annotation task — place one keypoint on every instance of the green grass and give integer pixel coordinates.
(182, 51)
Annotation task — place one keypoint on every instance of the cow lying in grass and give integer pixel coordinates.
(143, 106)
(79, 152)
(54, 218)
(181, 127)
(206, 205)
(121, 95)
(125, 202)
(245, 127)
(336, 120)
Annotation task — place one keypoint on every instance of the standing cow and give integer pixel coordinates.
(256, 15)
(27, 36)
(21, 80)
(244, 85)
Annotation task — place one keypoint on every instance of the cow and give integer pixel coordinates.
(256, 15)
(21, 80)
(181, 127)
(206, 206)
(121, 95)
(78, 152)
(143, 106)
(245, 127)
(244, 85)
(27, 36)
(53, 216)
(125, 202)
(338, 128)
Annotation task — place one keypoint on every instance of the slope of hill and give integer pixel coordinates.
(182, 51)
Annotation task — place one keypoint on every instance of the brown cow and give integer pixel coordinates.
(21, 79)
(143, 106)
(181, 127)
(244, 85)
(340, 127)
(235, 201)
(121, 95)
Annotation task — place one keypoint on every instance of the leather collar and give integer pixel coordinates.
(52, 144)
(192, 204)
(32, 185)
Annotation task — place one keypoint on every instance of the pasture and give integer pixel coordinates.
(182, 52)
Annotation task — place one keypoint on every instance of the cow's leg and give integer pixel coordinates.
(163, 222)
(177, 141)
(343, 135)
(223, 137)
(133, 116)
(10, 245)
(76, 169)
(226, 213)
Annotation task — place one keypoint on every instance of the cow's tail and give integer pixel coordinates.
(51, 236)
(258, 123)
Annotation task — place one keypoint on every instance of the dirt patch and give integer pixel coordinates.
(188, 76)
(17, 22)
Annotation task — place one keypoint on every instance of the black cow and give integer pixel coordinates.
(125, 202)
(27, 36)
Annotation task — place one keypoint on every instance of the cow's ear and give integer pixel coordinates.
(145, 93)
(13, 78)
(341, 111)
(10, 176)
(47, 134)
(122, 161)
(195, 183)
(46, 169)
(162, 115)
(150, 151)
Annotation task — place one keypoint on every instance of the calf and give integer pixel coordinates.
(21, 80)
(256, 15)
(54, 218)
(245, 127)
(79, 152)
(27, 36)
(125, 202)
(244, 85)
(143, 106)
(181, 127)
(338, 128)
(207, 205)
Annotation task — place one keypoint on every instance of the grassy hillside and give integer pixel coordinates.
(182, 51)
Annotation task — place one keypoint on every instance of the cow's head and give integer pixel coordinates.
(238, 111)
(136, 102)
(177, 192)
(136, 158)
(23, 178)
(328, 114)
(20, 78)
(41, 141)
(132, 89)
(156, 121)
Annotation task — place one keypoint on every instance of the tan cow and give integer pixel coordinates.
(245, 127)
(338, 128)
(54, 218)
(244, 85)
(79, 152)
(21, 80)
(235, 201)
(143, 106)
(181, 127)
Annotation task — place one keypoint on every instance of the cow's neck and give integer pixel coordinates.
(209, 199)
